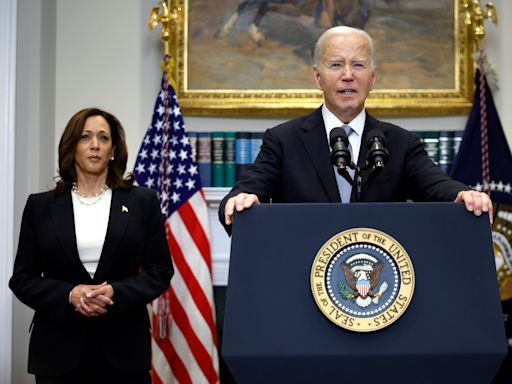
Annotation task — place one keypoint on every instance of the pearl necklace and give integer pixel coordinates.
(89, 199)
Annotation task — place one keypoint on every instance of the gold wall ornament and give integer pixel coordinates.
(475, 16)
(224, 67)
(169, 17)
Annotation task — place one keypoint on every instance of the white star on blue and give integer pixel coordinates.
(166, 169)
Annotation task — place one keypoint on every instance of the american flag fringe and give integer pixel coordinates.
(184, 338)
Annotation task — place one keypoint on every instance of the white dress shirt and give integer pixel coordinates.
(357, 125)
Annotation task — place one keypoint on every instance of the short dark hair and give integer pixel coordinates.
(116, 177)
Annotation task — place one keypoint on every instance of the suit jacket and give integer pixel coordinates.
(135, 260)
(294, 166)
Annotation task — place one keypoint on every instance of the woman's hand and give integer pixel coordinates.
(91, 300)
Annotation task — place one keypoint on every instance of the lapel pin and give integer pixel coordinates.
(124, 208)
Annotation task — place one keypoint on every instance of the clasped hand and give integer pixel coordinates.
(91, 300)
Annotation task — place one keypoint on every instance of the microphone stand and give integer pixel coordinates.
(356, 182)
(359, 182)
(376, 169)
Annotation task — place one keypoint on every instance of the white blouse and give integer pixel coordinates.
(91, 222)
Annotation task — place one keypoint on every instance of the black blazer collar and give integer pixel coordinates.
(314, 139)
(64, 226)
(120, 213)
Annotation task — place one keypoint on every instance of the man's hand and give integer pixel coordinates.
(239, 202)
(476, 202)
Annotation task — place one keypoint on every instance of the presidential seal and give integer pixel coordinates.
(502, 241)
(362, 279)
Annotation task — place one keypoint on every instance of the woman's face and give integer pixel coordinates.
(94, 149)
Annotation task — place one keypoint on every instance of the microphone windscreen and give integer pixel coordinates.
(338, 134)
(376, 135)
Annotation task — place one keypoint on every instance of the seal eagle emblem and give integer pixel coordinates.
(362, 279)
(362, 273)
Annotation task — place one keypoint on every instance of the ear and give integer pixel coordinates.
(316, 77)
(374, 78)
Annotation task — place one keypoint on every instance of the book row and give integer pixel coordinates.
(223, 156)
(441, 146)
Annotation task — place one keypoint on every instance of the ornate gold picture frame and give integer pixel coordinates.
(254, 58)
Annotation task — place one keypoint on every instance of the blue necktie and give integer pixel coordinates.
(344, 188)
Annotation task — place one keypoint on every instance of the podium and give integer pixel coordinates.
(274, 332)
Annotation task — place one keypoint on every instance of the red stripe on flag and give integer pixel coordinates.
(203, 359)
(155, 379)
(196, 230)
(179, 369)
(193, 286)
(165, 347)
(164, 344)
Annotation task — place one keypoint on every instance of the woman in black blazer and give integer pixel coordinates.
(92, 254)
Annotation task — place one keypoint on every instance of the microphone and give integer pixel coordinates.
(378, 154)
(340, 154)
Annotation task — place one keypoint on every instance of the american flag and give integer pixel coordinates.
(184, 338)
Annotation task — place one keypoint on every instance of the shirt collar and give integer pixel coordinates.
(331, 121)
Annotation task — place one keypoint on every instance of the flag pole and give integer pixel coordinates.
(475, 16)
(168, 17)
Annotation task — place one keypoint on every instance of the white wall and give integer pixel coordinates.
(34, 168)
(7, 122)
(74, 54)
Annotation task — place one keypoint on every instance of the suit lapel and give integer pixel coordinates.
(313, 136)
(370, 124)
(64, 225)
(363, 149)
(118, 219)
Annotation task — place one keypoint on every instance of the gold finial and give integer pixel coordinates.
(168, 17)
(475, 16)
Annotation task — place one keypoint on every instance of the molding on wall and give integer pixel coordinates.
(220, 243)
(7, 105)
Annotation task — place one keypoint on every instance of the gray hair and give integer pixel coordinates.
(343, 30)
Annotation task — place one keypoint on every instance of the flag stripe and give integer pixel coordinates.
(161, 372)
(180, 370)
(196, 230)
(185, 356)
(198, 204)
(188, 245)
(191, 282)
(193, 267)
(194, 316)
(196, 346)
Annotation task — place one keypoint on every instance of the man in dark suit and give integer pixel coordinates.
(294, 161)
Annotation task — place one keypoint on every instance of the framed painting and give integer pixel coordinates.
(254, 57)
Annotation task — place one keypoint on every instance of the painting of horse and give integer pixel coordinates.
(262, 45)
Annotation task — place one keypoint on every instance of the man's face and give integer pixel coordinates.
(344, 74)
